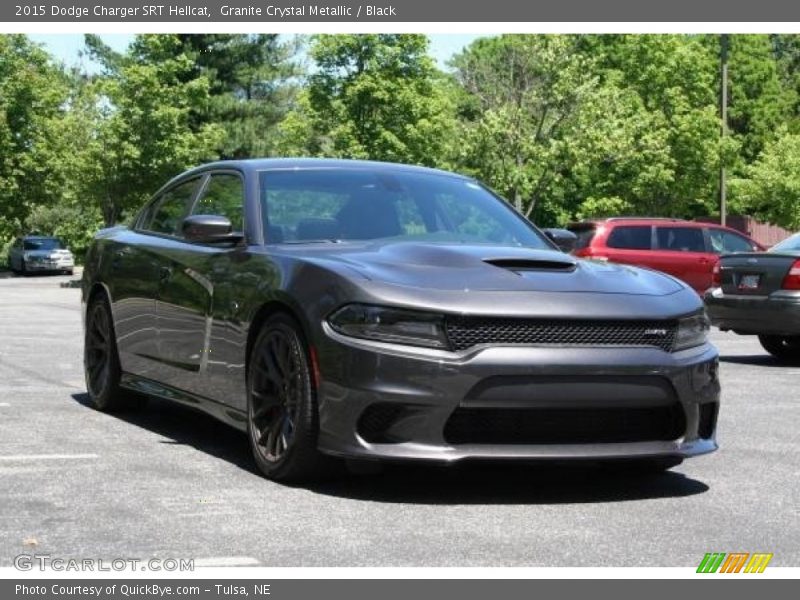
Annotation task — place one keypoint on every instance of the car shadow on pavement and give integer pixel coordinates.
(467, 483)
(758, 360)
(182, 425)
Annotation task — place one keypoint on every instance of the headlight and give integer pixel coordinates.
(692, 331)
(393, 325)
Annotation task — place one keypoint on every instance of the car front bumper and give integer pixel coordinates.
(384, 401)
(774, 314)
(50, 265)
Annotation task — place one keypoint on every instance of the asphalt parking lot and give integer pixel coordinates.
(167, 482)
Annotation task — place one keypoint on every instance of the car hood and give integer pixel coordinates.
(466, 267)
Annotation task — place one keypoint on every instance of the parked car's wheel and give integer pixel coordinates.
(282, 415)
(101, 362)
(784, 347)
(23, 270)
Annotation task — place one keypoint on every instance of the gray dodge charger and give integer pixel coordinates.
(360, 310)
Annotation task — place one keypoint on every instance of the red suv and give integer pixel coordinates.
(685, 249)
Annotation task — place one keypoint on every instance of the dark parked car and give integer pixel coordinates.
(378, 311)
(39, 253)
(687, 250)
(759, 294)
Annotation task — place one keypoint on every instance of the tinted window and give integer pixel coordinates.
(630, 237)
(168, 212)
(725, 241)
(681, 239)
(790, 243)
(223, 196)
(362, 204)
(43, 244)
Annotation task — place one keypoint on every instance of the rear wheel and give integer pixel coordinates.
(784, 347)
(101, 362)
(282, 415)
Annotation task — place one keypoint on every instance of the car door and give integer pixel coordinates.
(194, 279)
(135, 269)
(682, 251)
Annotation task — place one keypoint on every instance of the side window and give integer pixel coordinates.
(632, 237)
(725, 241)
(223, 196)
(167, 213)
(681, 239)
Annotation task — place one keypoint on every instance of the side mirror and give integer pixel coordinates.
(210, 229)
(563, 238)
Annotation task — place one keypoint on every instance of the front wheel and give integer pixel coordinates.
(783, 347)
(282, 415)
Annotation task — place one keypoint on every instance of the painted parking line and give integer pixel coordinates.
(29, 457)
(4, 404)
(227, 561)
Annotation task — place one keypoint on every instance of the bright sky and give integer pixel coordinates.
(66, 47)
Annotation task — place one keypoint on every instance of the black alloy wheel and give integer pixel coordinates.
(283, 421)
(101, 362)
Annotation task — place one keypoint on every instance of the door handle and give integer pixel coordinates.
(164, 273)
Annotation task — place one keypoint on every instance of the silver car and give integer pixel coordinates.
(36, 253)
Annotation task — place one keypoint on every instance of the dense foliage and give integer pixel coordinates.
(563, 126)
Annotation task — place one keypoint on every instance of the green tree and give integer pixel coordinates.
(526, 93)
(253, 86)
(32, 93)
(770, 189)
(144, 132)
(375, 96)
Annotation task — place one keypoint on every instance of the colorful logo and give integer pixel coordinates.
(734, 562)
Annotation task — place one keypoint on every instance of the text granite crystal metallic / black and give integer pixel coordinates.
(379, 311)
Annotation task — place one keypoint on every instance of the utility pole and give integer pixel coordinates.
(723, 109)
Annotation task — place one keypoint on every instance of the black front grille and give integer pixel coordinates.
(565, 425)
(466, 332)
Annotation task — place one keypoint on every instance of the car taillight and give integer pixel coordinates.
(716, 275)
(792, 279)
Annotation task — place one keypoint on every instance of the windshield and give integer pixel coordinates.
(43, 244)
(789, 244)
(313, 205)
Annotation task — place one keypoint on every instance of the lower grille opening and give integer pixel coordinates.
(708, 419)
(376, 422)
(565, 425)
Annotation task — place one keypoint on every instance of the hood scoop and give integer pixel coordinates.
(520, 265)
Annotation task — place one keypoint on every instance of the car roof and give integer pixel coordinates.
(264, 164)
(588, 223)
(40, 237)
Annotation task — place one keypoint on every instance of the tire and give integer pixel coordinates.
(282, 413)
(783, 347)
(23, 270)
(101, 362)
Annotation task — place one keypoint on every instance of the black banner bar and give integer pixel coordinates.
(395, 11)
(404, 589)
